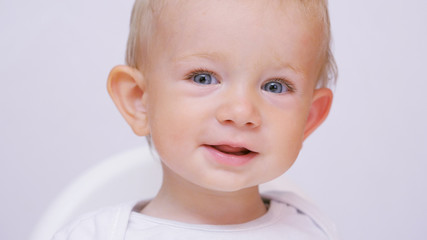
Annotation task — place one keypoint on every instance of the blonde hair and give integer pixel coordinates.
(143, 23)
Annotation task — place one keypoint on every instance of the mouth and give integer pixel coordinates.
(230, 155)
(237, 151)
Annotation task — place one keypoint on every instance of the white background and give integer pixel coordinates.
(365, 166)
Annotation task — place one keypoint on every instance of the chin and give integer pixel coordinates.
(228, 186)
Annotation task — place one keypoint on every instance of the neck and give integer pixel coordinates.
(184, 201)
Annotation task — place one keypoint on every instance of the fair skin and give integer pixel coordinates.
(228, 100)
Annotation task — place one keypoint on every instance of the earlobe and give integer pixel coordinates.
(319, 110)
(126, 87)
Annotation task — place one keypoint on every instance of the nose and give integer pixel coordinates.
(239, 110)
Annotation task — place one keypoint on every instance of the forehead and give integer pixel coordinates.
(222, 28)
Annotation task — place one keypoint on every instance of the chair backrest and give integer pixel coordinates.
(131, 175)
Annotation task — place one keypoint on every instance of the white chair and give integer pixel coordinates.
(134, 174)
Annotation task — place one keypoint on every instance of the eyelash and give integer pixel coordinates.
(198, 71)
(192, 74)
(286, 83)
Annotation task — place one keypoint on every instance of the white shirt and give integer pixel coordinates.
(289, 217)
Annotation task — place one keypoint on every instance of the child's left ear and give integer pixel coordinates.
(319, 110)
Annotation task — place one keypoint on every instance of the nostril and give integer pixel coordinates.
(250, 124)
(239, 115)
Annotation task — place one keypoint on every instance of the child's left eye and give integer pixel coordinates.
(276, 86)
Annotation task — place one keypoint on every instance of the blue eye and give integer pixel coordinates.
(275, 87)
(204, 79)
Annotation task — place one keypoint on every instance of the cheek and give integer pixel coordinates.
(287, 132)
(167, 124)
(168, 134)
(175, 123)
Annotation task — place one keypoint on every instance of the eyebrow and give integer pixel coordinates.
(207, 55)
(294, 69)
(285, 65)
(218, 56)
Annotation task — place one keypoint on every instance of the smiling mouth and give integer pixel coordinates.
(237, 151)
(229, 155)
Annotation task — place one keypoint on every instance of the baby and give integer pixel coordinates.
(226, 92)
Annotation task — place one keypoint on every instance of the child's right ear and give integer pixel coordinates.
(126, 87)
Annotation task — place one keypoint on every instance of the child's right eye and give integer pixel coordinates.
(203, 77)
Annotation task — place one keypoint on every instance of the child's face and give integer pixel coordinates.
(229, 89)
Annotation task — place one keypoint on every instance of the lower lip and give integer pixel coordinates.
(229, 159)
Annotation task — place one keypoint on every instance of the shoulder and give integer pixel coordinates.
(101, 224)
(307, 208)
